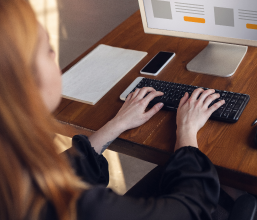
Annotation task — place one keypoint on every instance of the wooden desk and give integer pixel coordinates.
(229, 146)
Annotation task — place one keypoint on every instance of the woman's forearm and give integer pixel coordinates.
(102, 138)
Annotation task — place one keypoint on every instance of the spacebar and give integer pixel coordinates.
(172, 105)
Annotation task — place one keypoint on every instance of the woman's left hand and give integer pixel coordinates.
(132, 114)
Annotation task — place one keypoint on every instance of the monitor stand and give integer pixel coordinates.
(218, 59)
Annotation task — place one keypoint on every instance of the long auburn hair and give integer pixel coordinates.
(31, 171)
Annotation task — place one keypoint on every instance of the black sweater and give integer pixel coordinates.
(189, 188)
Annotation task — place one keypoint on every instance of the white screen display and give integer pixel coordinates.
(222, 18)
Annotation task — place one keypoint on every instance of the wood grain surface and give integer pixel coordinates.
(229, 146)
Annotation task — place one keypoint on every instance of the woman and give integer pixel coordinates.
(37, 183)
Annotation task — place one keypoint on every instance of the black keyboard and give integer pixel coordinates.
(173, 92)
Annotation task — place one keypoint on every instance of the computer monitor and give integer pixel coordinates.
(229, 25)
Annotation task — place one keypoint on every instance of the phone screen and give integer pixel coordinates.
(157, 62)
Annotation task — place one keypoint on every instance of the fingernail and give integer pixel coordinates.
(160, 105)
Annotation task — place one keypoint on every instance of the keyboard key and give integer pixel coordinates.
(227, 100)
(217, 113)
(233, 100)
(171, 103)
(157, 100)
(242, 98)
(223, 94)
(236, 96)
(225, 114)
(239, 102)
(229, 95)
(237, 106)
(230, 105)
(232, 114)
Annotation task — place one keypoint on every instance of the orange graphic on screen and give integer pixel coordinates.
(194, 19)
(251, 26)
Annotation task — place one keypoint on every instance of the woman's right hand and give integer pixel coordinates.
(192, 115)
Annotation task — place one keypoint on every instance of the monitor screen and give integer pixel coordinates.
(215, 20)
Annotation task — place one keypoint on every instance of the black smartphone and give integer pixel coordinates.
(156, 64)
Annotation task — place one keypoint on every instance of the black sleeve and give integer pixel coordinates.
(89, 165)
(189, 189)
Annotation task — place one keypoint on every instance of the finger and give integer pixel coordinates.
(156, 108)
(134, 94)
(196, 93)
(215, 106)
(144, 91)
(210, 99)
(206, 94)
(128, 97)
(183, 100)
(152, 95)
